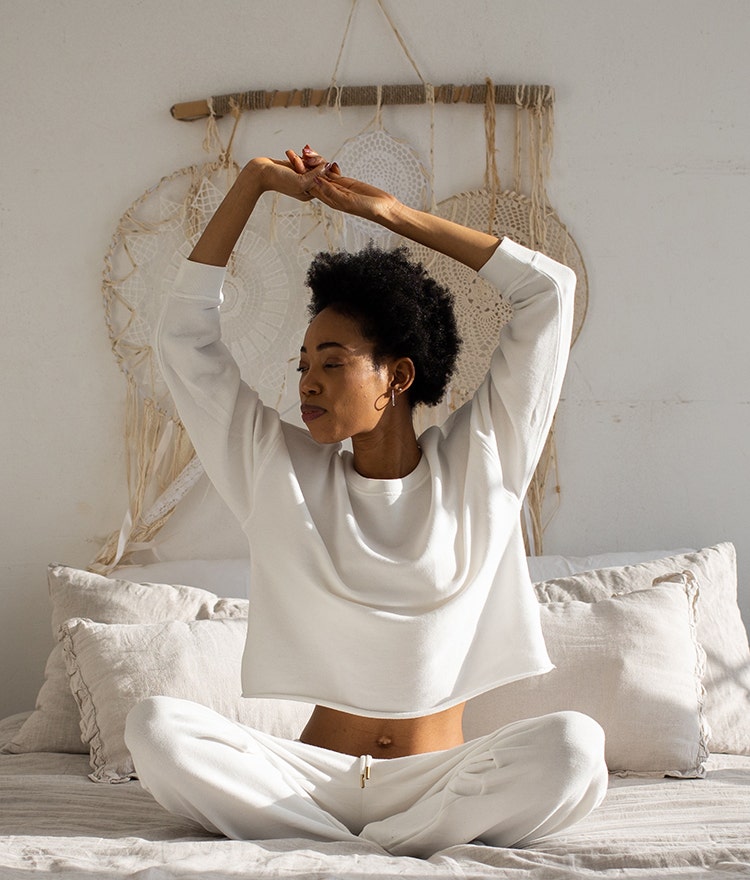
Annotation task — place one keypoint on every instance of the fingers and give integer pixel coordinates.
(296, 162)
(311, 158)
(308, 161)
(313, 170)
(328, 190)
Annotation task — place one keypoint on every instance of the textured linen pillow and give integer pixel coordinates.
(114, 666)
(632, 663)
(721, 631)
(226, 577)
(54, 724)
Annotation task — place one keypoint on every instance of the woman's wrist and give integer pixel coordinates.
(253, 179)
(394, 216)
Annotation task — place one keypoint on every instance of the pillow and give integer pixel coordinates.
(225, 577)
(545, 568)
(721, 631)
(54, 725)
(114, 666)
(632, 663)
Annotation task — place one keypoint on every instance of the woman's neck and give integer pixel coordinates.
(391, 455)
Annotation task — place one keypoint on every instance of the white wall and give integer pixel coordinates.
(651, 174)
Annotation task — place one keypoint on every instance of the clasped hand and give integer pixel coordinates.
(316, 178)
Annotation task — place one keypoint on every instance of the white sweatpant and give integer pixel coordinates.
(529, 779)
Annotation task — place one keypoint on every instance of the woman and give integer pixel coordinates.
(389, 583)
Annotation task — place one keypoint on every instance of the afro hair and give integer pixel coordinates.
(398, 307)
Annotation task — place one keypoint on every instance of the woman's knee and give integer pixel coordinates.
(560, 745)
(575, 731)
(574, 735)
(574, 747)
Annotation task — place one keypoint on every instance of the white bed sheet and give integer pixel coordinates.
(53, 819)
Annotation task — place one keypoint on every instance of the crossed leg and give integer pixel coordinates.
(529, 779)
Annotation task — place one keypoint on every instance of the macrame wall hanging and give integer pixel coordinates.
(264, 311)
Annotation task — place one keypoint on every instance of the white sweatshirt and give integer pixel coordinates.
(385, 598)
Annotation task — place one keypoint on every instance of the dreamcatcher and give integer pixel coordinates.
(480, 312)
(390, 164)
(263, 318)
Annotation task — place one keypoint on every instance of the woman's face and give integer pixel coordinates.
(342, 392)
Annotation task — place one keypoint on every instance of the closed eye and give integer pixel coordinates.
(303, 369)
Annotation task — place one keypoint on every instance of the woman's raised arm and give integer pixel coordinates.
(259, 175)
(468, 246)
(308, 176)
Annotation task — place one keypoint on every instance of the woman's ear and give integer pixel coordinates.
(402, 374)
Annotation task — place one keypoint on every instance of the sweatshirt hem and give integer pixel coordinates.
(382, 713)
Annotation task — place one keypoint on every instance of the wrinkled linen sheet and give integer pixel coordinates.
(54, 820)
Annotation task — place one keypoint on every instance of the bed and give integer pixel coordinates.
(652, 645)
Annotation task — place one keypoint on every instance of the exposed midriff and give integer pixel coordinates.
(384, 737)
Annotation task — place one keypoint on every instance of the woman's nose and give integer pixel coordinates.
(308, 383)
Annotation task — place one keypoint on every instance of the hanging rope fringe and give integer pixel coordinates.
(157, 448)
(537, 110)
(431, 179)
(212, 142)
(211, 139)
(157, 451)
(535, 141)
(491, 176)
(225, 156)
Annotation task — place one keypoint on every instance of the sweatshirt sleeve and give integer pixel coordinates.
(227, 423)
(518, 400)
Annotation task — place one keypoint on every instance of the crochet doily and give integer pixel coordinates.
(390, 164)
(263, 316)
(480, 312)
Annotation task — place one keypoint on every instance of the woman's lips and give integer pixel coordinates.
(310, 413)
